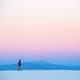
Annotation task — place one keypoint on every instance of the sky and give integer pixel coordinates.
(46, 30)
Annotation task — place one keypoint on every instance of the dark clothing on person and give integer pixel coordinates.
(19, 63)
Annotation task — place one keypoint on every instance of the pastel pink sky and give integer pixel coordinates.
(40, 25)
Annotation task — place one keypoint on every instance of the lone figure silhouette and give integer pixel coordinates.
(19, 65)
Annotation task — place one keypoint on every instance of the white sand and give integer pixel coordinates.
(40, 75)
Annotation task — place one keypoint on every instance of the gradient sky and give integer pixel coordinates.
(40, 30)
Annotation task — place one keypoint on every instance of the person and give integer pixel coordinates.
(19, 65)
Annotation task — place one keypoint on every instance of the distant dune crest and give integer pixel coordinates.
(39, 65)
